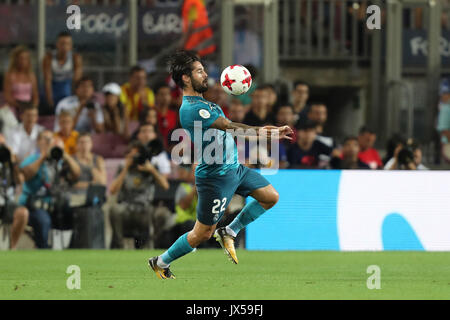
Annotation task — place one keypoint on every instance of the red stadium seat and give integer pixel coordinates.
(109, 145)
(48, 122)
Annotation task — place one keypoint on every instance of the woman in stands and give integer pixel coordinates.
(92, 166)
(20, 84)
(116, 119)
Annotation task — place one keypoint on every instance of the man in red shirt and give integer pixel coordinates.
(167, 118)
(368, 154)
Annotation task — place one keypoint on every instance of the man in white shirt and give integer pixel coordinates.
(23, 138)
(88, 115)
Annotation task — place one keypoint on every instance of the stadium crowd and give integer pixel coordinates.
(75, 137)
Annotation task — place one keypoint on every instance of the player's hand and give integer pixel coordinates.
(285, 132)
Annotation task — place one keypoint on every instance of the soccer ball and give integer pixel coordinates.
(236, 80)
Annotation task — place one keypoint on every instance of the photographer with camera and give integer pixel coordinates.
(10, 211)
(407, 156)
(134, 214)
(88, 114)
(43, 172)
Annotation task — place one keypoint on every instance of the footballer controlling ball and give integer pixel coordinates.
(236, 80)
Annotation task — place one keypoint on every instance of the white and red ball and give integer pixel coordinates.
(236, 80)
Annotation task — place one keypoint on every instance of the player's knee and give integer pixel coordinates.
(21, 215)
(272, 200)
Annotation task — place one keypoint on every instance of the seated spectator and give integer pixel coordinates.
(87, 114)
(66, 133)
(146, 135)
(258, 115)
(92, 167)
(307, 152)
(300, 96)
(368, 154)
(407, 156)
(36, 192)
(167, 118)
(62, 68)
(23, 138)
(116, 119)
(273, 97)
(20, 83)
(10, 211)
(236, 111)
(285, 117)
(318, 114)
(134, 214)
(136, 95)
(349, 158)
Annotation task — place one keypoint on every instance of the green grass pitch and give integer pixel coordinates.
(207, 274)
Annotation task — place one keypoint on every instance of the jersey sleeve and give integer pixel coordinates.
(205, 115)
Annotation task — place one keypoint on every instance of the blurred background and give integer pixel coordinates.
(356, 98)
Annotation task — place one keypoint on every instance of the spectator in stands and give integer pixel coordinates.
(136, 95)
(10, 211)
(134, 214)
(273, 97)
(318, 114)
(407, 156)
(62, 68)
(306, 153)
(147, 134)
(167, 118)
(258, 115)
(35, 193)
(92, 167)
(20, 83)
(285, 117)
(88, 115)
(349, 158)
(236, 111)
(23, 138)
(368, 154)
(66, 132)
(300, 96)
(116, 119)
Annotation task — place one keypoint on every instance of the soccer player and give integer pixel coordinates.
(216, 183)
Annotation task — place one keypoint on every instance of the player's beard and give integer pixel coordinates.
(199, 87)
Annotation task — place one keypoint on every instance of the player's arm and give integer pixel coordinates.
(242, 129)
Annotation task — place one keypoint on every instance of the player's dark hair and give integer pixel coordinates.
(180, 63)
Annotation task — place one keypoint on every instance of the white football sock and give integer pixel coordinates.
(161, 263)
(230, 231)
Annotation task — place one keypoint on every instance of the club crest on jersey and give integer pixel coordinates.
(204, 114)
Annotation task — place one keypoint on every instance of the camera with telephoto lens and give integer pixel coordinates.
(56, 153)
(147, 152)
(5, 154)
(90, 105)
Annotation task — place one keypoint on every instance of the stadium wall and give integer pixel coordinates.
(356, 211)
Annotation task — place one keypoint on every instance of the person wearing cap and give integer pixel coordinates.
(368, 154)
(116, 119)
(308, 151)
